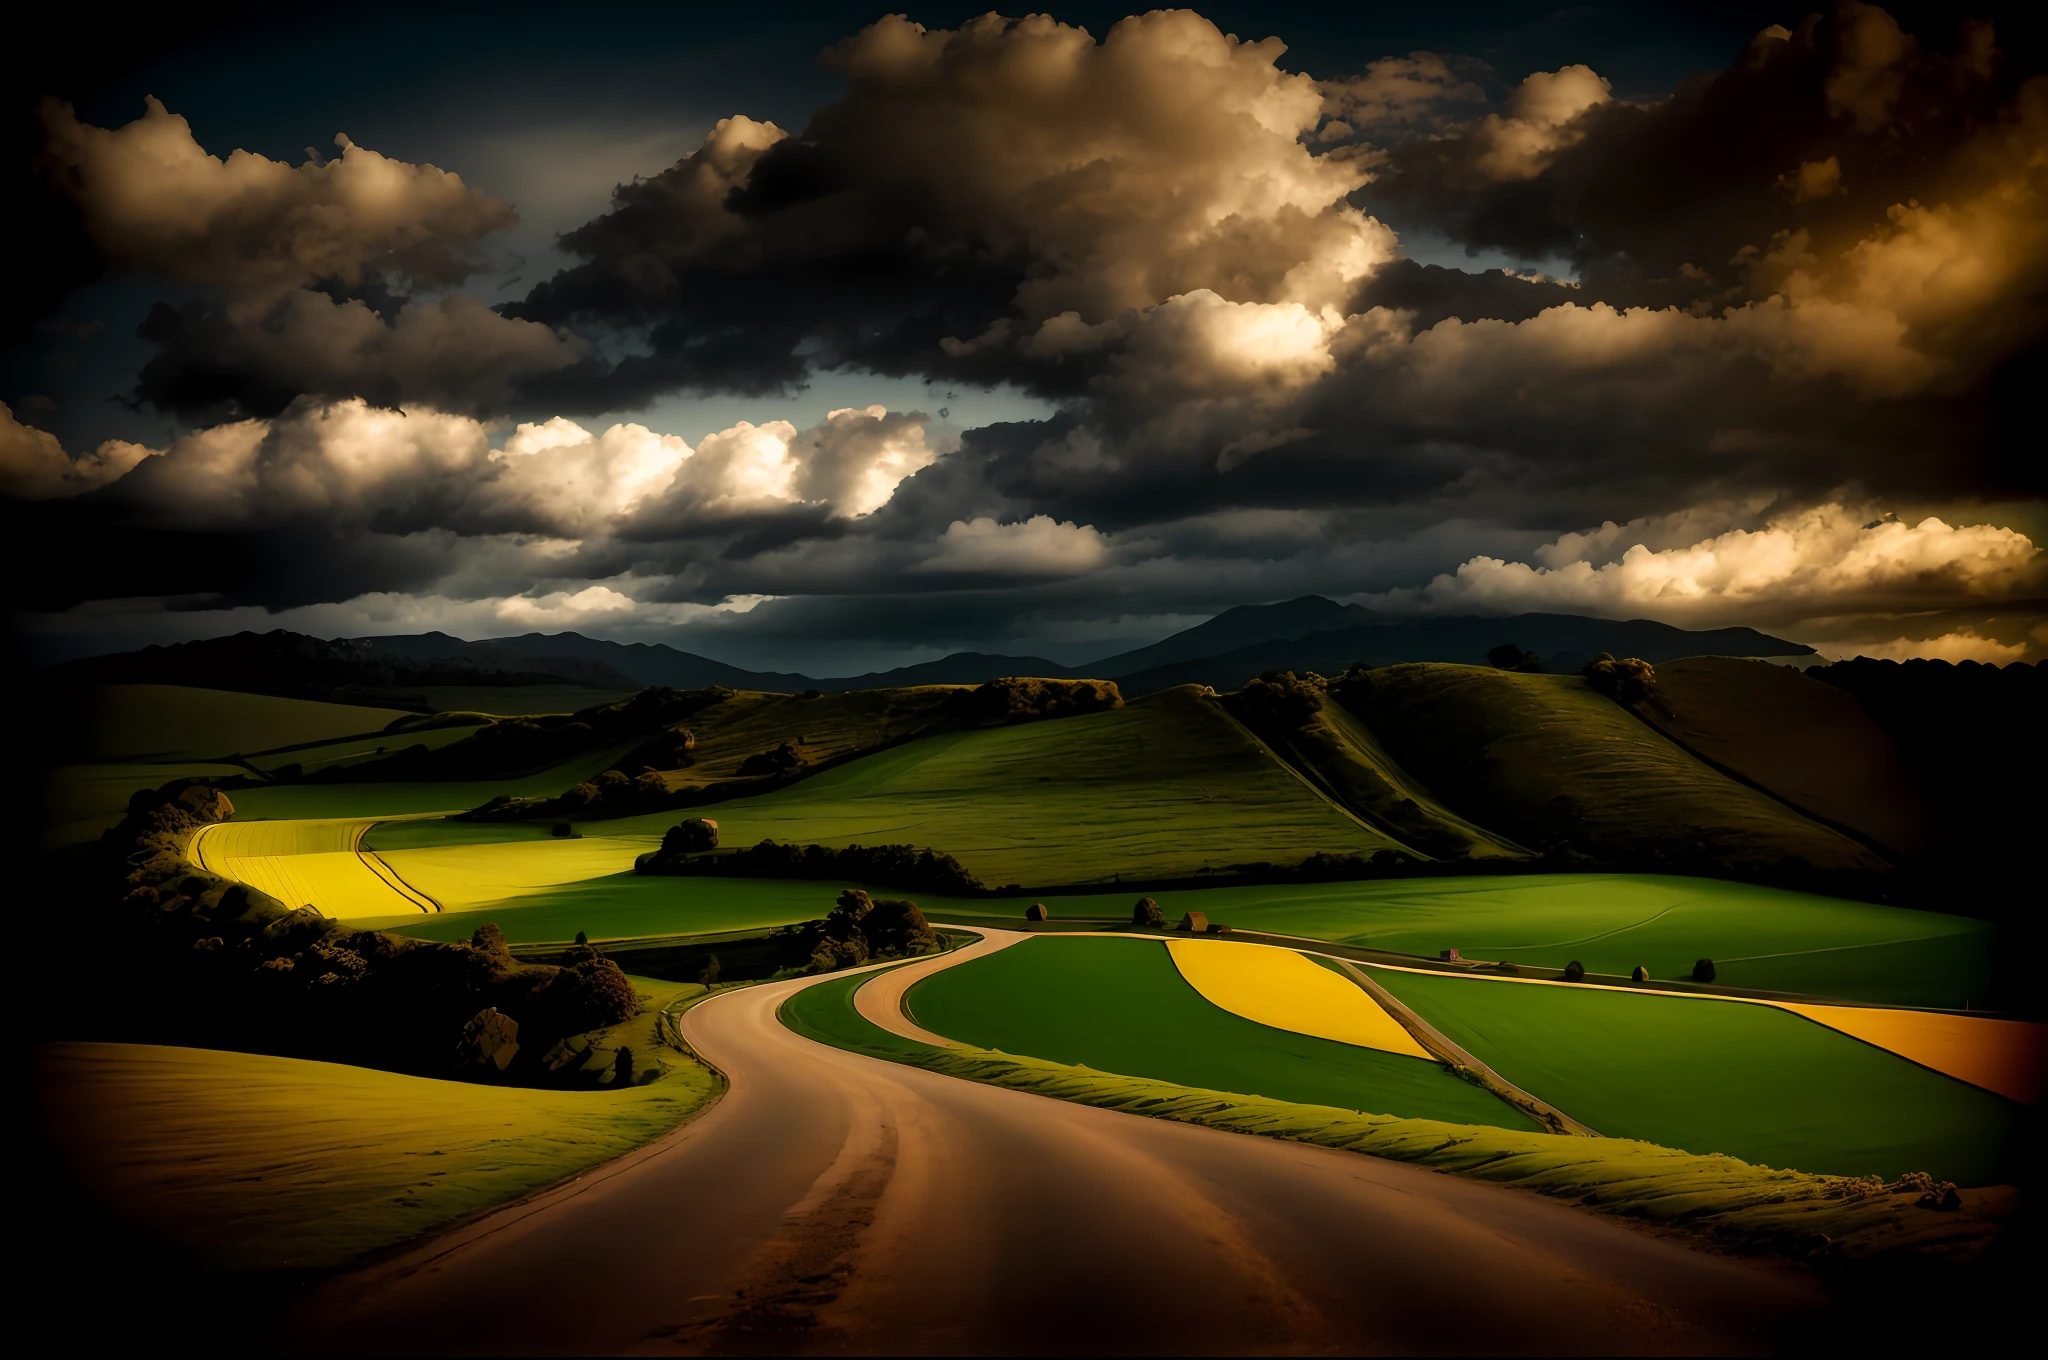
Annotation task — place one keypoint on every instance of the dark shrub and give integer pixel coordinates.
(896, 927)
(1280, 701)
(622, 1068)
(564, 830)
(689, 837)
(1509, 656)
(810, 694)
(1146, 912)
(589, 995)
(1575, 971)
(782, 760)
(1014, 700)
(1639, 974)
(1629, 681)
(708, 974)
(1703, 971)
(489, 1042)
(853, 904)
(582, 938)
(488, 939)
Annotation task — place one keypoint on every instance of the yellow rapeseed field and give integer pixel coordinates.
(1281, 988)
(318, 864)
(2005, 1056)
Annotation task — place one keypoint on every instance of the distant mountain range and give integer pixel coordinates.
(1310, 633)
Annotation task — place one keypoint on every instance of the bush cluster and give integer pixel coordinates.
(1509, 656)
(860, 928)
(1017, 700)
(896, 866)
(1280, 701)
(1628, 681)
(784, 759)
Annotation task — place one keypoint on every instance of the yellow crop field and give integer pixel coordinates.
(2005, 1056)
(465, 877)
(319, 864)
(1281, 988)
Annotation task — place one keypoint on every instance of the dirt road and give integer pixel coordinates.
(835, 1203)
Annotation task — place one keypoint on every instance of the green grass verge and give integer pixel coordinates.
(1167, 786)
(1537, 756)
(1827, 1219)
(1120, 1005)
(1751, 1081)
(253, 1163)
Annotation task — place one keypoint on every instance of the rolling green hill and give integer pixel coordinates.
(1543, 759)
(176, 722)
(1811, 744)
(1168, 786)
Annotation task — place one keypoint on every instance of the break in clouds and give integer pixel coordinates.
(1772, 360)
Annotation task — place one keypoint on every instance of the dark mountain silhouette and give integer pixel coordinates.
(1563, 641)
(296, 666)
(1225, 652)
(1244, 626)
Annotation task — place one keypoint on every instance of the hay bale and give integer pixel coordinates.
(1195, 923)
(1641, 974)
(1037, 912)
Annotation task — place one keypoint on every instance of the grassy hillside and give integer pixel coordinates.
(1811, 744)
(1121, 1006)
(1543, 759)
(823, 728)
(1167, 786)
(81, 801)
(255, 1163)
(1754, 1082)
(505, 701)
(1352, 766)
(173, 722)
(398, 799)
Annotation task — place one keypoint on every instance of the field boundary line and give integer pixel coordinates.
(1463, 1063)
(1313, 788)
(389, 876)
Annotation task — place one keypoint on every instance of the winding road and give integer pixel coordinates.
(833, 1203)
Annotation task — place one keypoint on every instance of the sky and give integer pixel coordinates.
(825, 339)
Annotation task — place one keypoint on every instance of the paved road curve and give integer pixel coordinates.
(835, 1203)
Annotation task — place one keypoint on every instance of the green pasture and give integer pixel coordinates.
(394, 800)
(1167, 786)
(178, 722)
(1767, 938)
(636, 906)
(248, 1162)
(1750, 1081)
(1537, 756)
(1119, 1005)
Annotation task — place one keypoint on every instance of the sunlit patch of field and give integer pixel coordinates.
(464, 877)
(317, 864)
(637, 906)
(2005, 1056)
(1708, 1074)
(258, 1163)
(1120, 1005)
(1281, 988)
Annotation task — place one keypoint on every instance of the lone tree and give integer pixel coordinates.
(708, 974)
(1703, 971)
(622, 1068)
(1575, 971)
(1146, 912)
(1509, 656)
